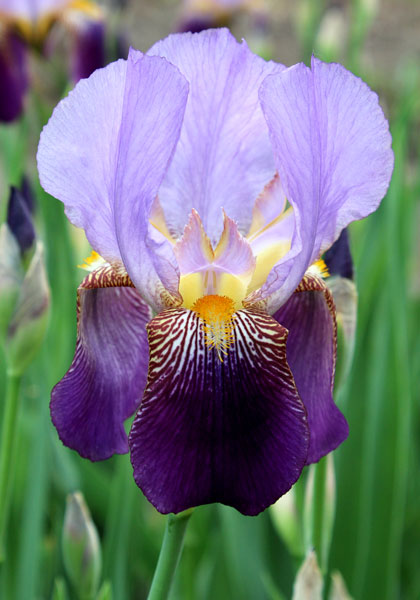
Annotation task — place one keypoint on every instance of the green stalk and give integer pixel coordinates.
(7, 452)
(169, 555)
(318, 511)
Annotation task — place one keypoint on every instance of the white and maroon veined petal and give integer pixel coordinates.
(309, 315)
(106, 379)
(209, 430)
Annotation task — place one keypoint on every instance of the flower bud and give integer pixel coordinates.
(308, 583)
(86, 25)
(29, 321)
(13, 75)
(338, 590)
(81, 547)
(19, 219)
(332, 34)
(10, 276)
(285, 516)
(328, 509)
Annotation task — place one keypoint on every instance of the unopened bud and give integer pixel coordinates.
(338, 589)
(29, 321)
(308, 583)
(19, 219)
(285, 516)
(328, 510)
(332, 34)
(81, 547)
(11, 276)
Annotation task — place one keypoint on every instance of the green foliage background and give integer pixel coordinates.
(376, 539)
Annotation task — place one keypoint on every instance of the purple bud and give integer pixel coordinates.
(13, 76)
(19, 219)
(89, 49)
(338, 258)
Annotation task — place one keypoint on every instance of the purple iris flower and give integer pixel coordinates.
(209, 182)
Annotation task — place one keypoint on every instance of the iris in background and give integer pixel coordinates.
(25, 24)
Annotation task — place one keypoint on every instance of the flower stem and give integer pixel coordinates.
(320, 473)
(7, 452)
(320, 509)
(170, 553)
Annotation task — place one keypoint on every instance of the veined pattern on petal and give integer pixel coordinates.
(209, 431)
(309, 315)
(106, 379)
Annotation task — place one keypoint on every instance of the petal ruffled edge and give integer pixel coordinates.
(106, 379)
(309, 315)
(233, 432)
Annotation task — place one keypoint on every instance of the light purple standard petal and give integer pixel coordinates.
(333, 152)
(104, 153)
(309, 315)
(105, 382)
(209, 431)
(153, 109)
(224, 157)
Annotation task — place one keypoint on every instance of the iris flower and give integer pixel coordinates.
(28, 22)
(209, 182)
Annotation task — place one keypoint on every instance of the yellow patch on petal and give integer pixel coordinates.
(266, 259)
(217, 314)
(195, 285)
(157, 219)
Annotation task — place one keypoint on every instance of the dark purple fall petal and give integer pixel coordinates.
(233, 432)
(89, 49)
(19, 219)
(13, 76)
(309, 315)
(338, 258)
(105, 382)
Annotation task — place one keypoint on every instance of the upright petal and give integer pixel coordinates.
(224, 157)
(210, 431)
(158, 94)
(333, 152)
(106, 164)
(309, 315)
(105, 382)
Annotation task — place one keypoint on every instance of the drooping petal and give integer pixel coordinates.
(224, 157)
(333, 153)
(309, 315)
(105, 382)
(210, 431)
(13, 76)
(106, 163)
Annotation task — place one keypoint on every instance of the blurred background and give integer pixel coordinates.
(375, 535)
